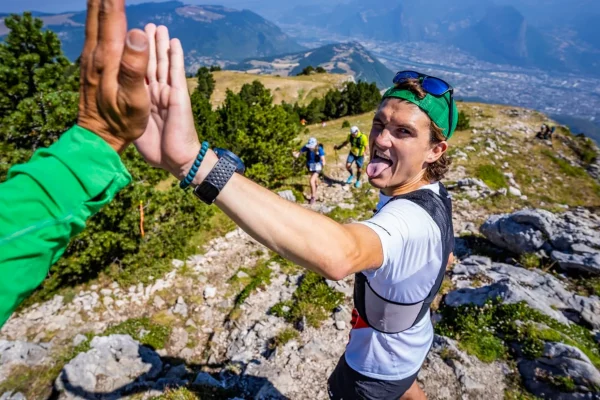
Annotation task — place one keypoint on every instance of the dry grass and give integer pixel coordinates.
(542, 179)
(289, 89)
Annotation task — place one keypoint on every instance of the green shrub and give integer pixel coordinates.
(530, 260)
(260, 277)
(486, 347)
(345, 124)
(464, 121)
(313, 300)
(285, 336)
(307, 71)
(564, 165)
(491, 176)
(511, 323)
(260, 133)
(353, 99)
(143, 330)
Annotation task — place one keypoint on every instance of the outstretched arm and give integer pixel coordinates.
(333, 250)
(341, 146)
(47, 201)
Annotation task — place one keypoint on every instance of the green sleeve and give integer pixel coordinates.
(45, 202)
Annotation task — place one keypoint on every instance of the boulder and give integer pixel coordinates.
(540, 290)
(24, 353)
(113, 365)
(514, 191)
(589, 263)
(571, 239)
(507, 233)
(12, 396)
(180, 307)
(472, 182)
(21, 353)
(206, 379)
(560, 361)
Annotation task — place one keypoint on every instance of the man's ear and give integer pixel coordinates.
(436, 152)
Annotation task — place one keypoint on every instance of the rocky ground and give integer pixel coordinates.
(518, 316)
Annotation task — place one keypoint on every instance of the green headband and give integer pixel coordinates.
(437, 108)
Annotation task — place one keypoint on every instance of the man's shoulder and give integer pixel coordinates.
(406, 217)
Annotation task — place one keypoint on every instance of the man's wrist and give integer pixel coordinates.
(118, 144)
(210, 159)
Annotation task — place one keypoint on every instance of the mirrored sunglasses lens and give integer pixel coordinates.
(404, 75)
(435, 86)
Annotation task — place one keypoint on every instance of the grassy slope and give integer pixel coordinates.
(288, 89)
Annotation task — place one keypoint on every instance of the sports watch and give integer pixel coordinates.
(218, 177)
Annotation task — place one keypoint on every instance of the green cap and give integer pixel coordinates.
(436, 107)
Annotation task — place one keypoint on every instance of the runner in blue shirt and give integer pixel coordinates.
(315, 160)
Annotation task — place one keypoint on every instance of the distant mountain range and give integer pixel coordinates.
(344, 58)
(515, 32)
(209, 34)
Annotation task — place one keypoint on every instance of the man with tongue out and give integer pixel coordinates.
(398, 257)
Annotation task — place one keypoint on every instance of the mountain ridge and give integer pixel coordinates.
(209, 33)
(349, 58)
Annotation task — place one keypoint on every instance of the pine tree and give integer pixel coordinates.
(38, 85)
(206, 82)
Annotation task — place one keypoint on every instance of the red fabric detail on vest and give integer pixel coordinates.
(357, 321)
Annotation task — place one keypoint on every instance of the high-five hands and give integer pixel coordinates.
(114, 102)
(170, 141)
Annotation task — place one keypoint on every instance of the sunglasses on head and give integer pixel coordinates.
(430, 84)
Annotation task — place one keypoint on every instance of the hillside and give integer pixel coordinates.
(233, 320)
(289, 89)
(342, 58)
(209, 34)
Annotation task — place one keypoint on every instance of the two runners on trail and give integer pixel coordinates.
(359, 146)
(315, 161)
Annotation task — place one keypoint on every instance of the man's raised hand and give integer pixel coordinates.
(170, 141)
(114, 102)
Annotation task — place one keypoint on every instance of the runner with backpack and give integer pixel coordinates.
(315, 160)
(359, 146)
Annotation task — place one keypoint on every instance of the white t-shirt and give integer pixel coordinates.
(412, 255)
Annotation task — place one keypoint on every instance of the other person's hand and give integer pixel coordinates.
(114, 102)
(170, 141)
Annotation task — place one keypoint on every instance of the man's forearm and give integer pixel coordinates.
(305, 237)
(45, 202)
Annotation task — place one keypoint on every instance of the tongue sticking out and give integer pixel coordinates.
(377, 166)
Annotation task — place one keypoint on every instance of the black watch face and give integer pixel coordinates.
(206, 192)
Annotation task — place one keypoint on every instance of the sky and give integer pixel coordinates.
(56, 6)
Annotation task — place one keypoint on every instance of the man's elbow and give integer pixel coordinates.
(336, 275)
(340, 268)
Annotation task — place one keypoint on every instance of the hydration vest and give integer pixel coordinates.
(390, 317)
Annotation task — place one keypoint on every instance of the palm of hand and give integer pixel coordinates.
(170, 139)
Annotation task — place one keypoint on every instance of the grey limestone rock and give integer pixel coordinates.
(109, 369)
(572, 239)
(562, 361)
(540, 290)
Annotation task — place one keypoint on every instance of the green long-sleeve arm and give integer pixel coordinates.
(45, 202)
